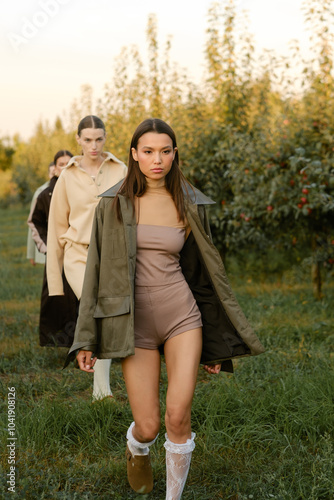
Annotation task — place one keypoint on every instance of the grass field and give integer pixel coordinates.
(265, 432)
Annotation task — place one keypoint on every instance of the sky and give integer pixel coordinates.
(50, 48)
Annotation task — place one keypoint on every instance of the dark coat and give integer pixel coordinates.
(58, 315)
(106, 317)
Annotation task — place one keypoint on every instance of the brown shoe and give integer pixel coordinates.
(139, 471)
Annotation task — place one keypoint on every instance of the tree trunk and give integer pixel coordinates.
(316, 279)
(316, 270)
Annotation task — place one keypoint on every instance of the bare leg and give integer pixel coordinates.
(142, 374)
(182, 355)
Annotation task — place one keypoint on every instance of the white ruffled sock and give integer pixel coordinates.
(178, 458)
(136, 447)
(101, 384)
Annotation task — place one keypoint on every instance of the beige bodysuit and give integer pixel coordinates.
(164, 303)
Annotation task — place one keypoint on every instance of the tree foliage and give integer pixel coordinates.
(6, 155)
(264, 152)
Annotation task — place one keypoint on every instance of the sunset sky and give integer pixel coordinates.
(49, 48)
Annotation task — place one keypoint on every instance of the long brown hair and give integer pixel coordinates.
(135, 181)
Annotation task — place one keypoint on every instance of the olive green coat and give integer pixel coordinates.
(106, 316)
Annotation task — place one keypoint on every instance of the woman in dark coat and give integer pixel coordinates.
(57, 314)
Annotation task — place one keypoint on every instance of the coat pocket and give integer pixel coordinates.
(108, 307)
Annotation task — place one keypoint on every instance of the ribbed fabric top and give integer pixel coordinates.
(156, 207)
(160, 238)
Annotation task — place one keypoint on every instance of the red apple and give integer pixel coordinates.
(305, 191)
(303, 200)
(269, 208)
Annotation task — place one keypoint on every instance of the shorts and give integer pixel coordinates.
(162, 312)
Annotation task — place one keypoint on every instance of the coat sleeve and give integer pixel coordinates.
(30, 239)
(86, 335)
(203, 215)
(39, 225)
(57, 226)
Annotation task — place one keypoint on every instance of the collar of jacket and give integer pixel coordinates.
(195, 196)
(75, 160)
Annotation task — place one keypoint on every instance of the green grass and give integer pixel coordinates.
(265, 432)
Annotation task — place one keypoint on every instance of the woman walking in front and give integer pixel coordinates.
(159, 284)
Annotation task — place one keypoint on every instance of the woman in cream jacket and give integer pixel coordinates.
(71, 218)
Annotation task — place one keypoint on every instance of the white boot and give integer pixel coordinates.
(178, 458)
(101, 385)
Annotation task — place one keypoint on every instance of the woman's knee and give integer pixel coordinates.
(177, 419)
(146, 430)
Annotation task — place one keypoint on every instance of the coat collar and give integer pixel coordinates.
(195, 196)
(75, 160)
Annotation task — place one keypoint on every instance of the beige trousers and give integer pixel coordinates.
(75, 258)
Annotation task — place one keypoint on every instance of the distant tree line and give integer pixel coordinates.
(256, 135)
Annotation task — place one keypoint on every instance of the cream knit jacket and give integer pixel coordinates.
(72, 208)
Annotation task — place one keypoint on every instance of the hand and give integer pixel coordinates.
(32, 262)
(212, 368)
(86, 361)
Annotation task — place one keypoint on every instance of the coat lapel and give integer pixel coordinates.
(130, 231)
